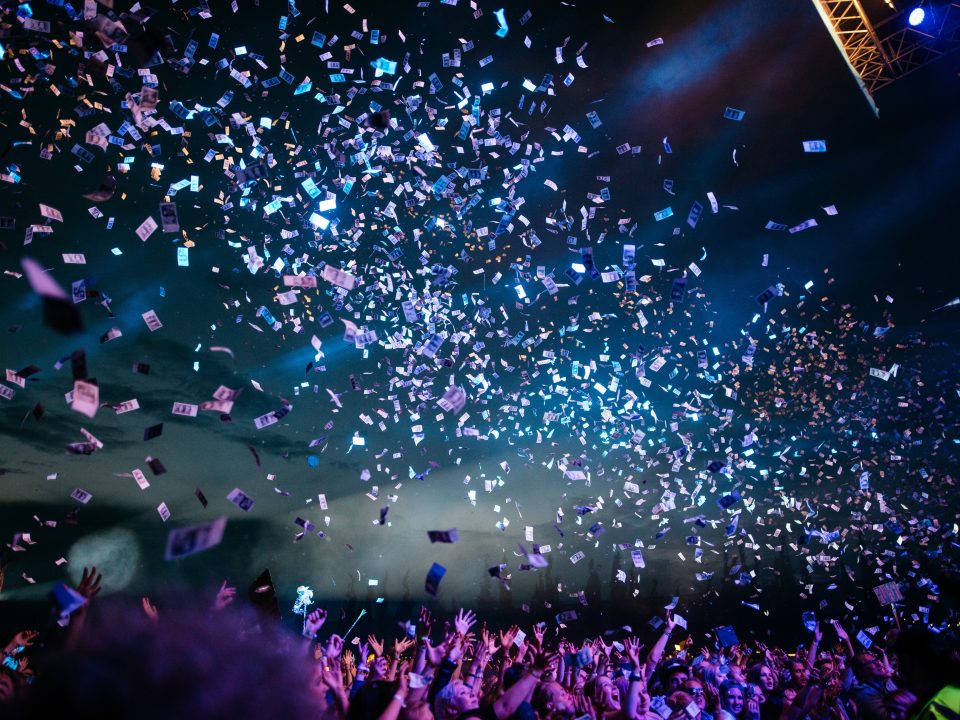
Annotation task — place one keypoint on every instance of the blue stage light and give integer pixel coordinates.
(916, 16)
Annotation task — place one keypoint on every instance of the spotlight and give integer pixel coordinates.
(916, 16)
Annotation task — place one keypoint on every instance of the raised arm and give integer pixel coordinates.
(656, 652)
(638, 700)
(507, 704)
(814, 646)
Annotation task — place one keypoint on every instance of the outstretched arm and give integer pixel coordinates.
(507, 704)
(656, 652)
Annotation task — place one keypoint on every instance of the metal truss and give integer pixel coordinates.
(881, 54)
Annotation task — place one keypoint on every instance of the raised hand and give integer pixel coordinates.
(24, 637)
(403, 687)
(542, 659)
(426, 622)
(632, 648)
(435, 653)
(671, 623)
(712, 696)
(454, 648)
(149, 609)
(817, 633)
(400, 646)
(488, 643)
(506, 638)
(330, 676)
(224, 596)
(583, 706)
(314, 621)
(90, 582)
(377, 645)
(538, 631)
(334, 647)
(464, 620)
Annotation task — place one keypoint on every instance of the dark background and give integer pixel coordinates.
(893, 180)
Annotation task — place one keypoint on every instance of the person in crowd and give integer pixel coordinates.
(735, 703)
(698, 693)
(117, 659)
(929, 663)
(875, 678)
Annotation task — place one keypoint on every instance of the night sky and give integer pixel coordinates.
(706, 404)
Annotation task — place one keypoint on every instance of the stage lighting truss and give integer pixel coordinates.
(883, 53)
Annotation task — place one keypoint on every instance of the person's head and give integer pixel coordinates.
(187, 665)
(371, 699)
(679, 701)
(752, 691)
(898, 704)
(694, 688)
(736, 674)
(604, 694)
(673, 675)
(927, 660)
(453, 699)
(869, 667)
(551, 700)
(799, 673)
(763, 675)
(732, 697)
(825, 664)
(379, 667)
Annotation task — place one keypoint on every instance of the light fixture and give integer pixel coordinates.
(916, 16)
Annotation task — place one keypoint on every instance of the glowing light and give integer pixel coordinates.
(916, 16)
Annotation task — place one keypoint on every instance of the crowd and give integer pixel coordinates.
(112, 659)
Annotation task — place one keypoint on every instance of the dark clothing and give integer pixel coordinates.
(870, 700)
(483, 713)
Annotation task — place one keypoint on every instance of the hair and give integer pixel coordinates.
(859, 663)
(371, 699)
(444, 698)
(672, 668)
(709, 674)
(753, 674)
(728, 685)
(929, 653)
(187, 665)
(541, 696)
(510, 676)
(679, 700)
